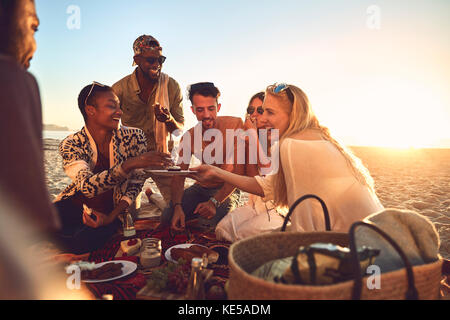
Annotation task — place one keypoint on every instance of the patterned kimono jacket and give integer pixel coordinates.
(79, 154)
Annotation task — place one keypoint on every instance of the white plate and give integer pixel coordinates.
(181, 246)
(169, 173)
(128, 268)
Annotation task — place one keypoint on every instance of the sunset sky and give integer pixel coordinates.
(376, 72)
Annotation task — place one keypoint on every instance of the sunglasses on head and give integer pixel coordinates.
(278, 88)
(92, 88)
(259, 109)
(152, 60)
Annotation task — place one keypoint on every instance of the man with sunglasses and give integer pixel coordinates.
(151, 101)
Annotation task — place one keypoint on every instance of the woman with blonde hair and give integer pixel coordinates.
(256, 215)
(311, 162)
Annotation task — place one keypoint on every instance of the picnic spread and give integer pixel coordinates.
(135, 284)
(155, 263)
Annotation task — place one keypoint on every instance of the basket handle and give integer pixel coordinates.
(411, 294)
(297, 202)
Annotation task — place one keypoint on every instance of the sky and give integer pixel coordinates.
(376, 72)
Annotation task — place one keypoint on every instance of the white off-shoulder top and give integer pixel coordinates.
(317, 167)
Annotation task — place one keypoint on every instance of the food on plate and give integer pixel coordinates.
(213, 256)
(131, 247)
(106, 271)
(183, 253)
(194, 251)
(174, 168)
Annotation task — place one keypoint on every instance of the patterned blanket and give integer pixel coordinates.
(127, 287)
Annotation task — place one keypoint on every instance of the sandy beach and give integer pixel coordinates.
(414, 179)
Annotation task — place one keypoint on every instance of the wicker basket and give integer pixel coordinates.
(245, 256)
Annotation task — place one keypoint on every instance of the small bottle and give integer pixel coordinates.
(128, 224)
(196, 288)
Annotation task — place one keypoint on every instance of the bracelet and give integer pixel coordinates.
(215, 202)
(176, 204)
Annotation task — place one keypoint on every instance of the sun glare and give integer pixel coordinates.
(398, 113)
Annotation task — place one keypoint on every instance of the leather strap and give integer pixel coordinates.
(411, 294)
(297, 202)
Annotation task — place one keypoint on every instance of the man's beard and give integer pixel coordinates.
(148, 77)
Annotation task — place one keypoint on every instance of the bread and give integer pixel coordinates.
(194, 251)
(185, 254)
(213, 256)
(108, 270)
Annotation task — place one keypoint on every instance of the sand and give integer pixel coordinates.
(414, 179)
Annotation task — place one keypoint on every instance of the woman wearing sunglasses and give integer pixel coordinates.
(101, 160)
(311, 162)
(254, 110)
(257, 215)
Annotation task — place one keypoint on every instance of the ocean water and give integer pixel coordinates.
(57, 135)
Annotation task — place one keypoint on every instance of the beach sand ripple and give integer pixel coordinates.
(413, 179)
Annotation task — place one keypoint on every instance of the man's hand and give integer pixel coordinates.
(101, 219)
(155, 159)
(206, 209)
(178, 219)
(162, 114)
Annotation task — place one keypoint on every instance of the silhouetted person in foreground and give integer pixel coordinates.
(21, 164)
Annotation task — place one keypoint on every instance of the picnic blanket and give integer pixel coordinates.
(127, 287)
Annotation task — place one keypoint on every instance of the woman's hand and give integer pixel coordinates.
(249, 123)
(99, 221)
(204, 173)
(151, 159)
